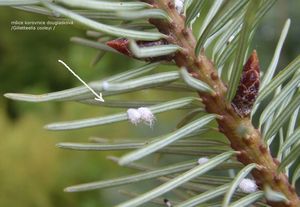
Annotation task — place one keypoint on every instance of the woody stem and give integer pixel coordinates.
(241, 133)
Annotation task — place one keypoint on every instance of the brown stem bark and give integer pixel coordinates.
(241, 133)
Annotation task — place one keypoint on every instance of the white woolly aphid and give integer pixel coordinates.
(179, 4)
(134, 116)
(105, 85)
(146, 115)
(202, 160)
(248, 186)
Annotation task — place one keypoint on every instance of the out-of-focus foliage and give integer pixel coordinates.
(28, 59)
(33, 171)
(269, 31)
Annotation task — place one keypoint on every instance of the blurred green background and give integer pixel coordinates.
(33, 172)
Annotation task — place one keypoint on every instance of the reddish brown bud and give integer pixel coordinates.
(242, 157)
(185, 32)
(277, 178)
(214, 76)
(263, 149)
(171, 5)
(248, 140)
(248, 88)
(122, 46)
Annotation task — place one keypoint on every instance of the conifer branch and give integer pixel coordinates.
(239, 130)
(229, 103)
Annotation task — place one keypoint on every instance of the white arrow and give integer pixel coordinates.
(98, 96)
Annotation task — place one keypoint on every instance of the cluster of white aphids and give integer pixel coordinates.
(179, 4)
(105, 85)
(142, 114)
(202, 160)
(248, 186)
